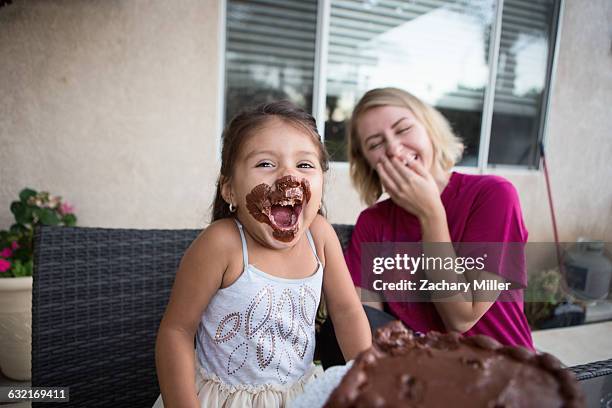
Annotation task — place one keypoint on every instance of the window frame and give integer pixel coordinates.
(320, 86)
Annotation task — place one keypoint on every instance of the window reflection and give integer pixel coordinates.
(270, 52)
(439, 53)
(521, 78)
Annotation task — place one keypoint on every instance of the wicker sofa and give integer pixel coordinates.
(98, 297)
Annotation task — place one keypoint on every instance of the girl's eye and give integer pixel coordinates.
(404, 130)
(305, 166)
(264, 164)
(374, 145)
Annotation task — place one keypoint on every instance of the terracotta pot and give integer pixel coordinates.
(16, 327)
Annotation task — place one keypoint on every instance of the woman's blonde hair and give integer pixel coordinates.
(447, 146)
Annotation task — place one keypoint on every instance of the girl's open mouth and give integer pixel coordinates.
(280, 208)
(285, 216)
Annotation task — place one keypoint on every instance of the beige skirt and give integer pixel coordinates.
(212, 392)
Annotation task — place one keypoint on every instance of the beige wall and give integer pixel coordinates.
(579, 146)
(113, 104)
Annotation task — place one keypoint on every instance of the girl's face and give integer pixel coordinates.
(394, 131)
(277, 184)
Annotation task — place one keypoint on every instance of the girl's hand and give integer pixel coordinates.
(412, 187)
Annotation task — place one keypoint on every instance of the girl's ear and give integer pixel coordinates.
(226, 189)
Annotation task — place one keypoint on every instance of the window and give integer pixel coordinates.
(523, 72)
(270, 52)
(485, 64)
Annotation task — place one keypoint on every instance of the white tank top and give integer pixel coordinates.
(260, 329)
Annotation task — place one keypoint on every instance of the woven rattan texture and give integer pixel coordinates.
(98, 297)
(591, 370)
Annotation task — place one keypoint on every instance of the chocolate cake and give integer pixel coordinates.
(402, 369)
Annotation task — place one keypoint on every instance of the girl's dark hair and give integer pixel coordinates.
(245, 124)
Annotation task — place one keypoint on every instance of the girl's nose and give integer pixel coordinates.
(288, 170)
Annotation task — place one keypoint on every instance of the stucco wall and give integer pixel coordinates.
(113, 104)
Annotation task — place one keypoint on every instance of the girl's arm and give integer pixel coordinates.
(198, 277)
(362, 232)
(347, 314)
(377, 299)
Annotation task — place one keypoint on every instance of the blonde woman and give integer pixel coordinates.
(401, 145)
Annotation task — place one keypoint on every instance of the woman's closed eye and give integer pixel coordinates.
(373, 145)
(404, 130)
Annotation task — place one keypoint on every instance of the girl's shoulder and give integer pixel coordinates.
(221, 238)
(322, 233)
(222, 228)
(320, 228)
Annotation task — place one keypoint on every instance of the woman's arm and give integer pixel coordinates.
(198, 277)
(350, 322)
(415, 189)
(459, 312)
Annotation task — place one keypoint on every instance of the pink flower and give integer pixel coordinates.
(66, 208)
(6, 253)
(14, 245)
(4, 265)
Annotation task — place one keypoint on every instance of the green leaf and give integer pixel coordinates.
(49, 217)
(27, 217)
(20, 269)
(7, 275)
(25, 194)
(36, 214)
(69, 220)
(28, 267)
(23, 253)
(18, 209)
(18, 229)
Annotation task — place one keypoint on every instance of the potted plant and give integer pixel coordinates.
(16, 264)
(549, 304)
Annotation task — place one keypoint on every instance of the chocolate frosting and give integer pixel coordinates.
(402, 369)
(288, 191)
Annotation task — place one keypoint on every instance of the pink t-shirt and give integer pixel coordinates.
(479, 208)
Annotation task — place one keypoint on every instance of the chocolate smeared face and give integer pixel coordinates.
(281, 206)
(276, 184)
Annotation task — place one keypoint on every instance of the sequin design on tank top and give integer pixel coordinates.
(276, 327)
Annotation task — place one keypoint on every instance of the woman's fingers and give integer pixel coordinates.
(389, 165)
(416, 166)
(385, 179)
(406, 173)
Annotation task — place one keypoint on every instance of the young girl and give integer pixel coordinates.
(248, 287)
(399, 143)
